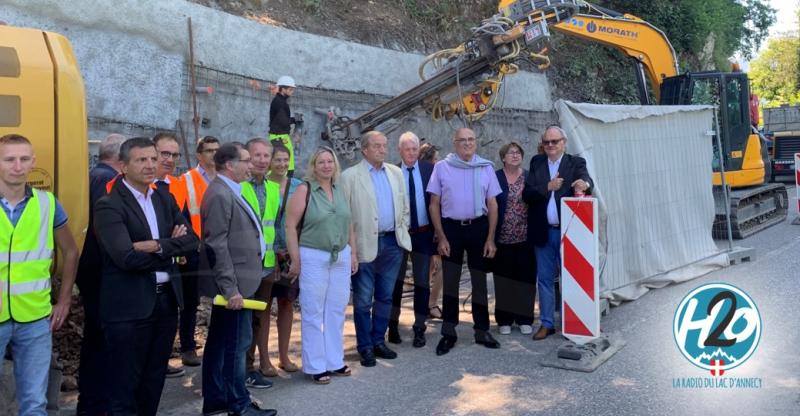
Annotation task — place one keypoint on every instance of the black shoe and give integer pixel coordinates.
(253, 410)
(255, 380)
(382, 351)
(174, 372)
(486, 339)
(419, 337)
(445, 344)
(394, 335)
(368, 358)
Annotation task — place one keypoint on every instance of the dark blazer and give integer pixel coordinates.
(502, 199)
(231, 260)
(90, 263)
(128, 288)
(536, 195)
(425, 170)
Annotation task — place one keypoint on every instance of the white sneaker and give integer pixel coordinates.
(505, 329)
(526, 329)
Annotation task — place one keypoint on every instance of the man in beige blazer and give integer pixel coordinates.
(379, 206)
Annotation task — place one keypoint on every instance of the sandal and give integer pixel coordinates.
(342, 372)
(268, 372)
(321, 378)
(289, 367)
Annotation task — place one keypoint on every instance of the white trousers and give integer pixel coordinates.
(324, 292)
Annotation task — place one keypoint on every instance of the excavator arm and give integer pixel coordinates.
(635, 37)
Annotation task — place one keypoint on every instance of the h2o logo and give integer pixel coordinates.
(717, 327)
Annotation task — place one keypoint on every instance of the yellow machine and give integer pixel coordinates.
(42, 98)
(464, 81)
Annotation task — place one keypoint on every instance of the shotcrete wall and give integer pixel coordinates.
(134, 59)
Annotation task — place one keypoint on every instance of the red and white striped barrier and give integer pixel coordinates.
(580, 275)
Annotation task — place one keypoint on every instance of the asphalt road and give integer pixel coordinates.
(473, 380)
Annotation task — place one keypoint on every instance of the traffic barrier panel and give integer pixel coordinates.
(580, 275)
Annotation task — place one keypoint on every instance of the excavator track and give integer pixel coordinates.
(752, 210)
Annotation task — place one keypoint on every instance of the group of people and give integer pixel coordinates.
(240, 225)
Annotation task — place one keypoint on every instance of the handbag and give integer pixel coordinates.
(282, 257)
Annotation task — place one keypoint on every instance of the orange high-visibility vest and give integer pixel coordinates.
(176, 187)
(195, 189)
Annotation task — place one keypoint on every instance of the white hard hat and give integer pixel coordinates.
(286, 81)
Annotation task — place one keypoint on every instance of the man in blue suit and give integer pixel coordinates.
(416, 174)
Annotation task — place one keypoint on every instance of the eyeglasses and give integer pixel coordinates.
(552, 142)
(514, 153)
(167, 155)
(465, 140)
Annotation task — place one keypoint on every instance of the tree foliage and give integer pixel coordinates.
(774, 74)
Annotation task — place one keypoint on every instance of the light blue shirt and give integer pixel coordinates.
(204, 174)
(237, 190)
(552, 212)
(383, 198)
(15, 212)
(419, 198)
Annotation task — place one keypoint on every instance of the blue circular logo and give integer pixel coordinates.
(591, 27)
(717, 327)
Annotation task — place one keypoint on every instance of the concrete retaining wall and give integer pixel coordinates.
(133, 56)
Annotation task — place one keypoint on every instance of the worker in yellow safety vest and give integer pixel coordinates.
(280, 117)
(33, 223)
(197, 179)
(264, 197)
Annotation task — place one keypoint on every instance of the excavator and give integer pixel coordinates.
(464, 82)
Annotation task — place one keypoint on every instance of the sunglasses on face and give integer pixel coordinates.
(551, 142)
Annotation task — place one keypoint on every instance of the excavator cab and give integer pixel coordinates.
(753, 205)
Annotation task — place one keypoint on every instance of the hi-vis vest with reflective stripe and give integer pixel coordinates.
(273, 195)
(195, 189)
(26, 254)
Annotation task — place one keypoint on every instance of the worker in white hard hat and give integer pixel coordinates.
(280, 117)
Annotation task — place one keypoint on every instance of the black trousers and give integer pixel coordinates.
(423, 249)
(191, 299)
(514, 283)
(140, 350)
(470, 239)
(92, 384)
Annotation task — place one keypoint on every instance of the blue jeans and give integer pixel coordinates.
(372, 293)
(229, 335)
(548, 265)
(31, 348)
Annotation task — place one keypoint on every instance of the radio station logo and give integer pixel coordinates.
(717, 327)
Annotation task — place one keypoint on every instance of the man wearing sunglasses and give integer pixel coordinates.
(552, 176)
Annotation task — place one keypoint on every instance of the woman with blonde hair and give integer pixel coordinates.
(321, 244)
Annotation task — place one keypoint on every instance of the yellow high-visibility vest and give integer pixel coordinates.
(272, 199)
(26, 255)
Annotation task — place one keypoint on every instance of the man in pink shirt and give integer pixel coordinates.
(463, 211)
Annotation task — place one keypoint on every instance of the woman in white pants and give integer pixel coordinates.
(321, 244)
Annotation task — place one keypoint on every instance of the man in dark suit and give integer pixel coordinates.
(92, 387)
(416, 174)
(140, 231)
(232, 265)
(551, 176)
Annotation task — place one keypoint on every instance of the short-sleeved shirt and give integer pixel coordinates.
(455, 188)
(14, 213)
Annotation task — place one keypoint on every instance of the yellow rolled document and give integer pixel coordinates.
(255, 305)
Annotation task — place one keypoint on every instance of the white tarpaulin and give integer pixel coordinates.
(652, 171)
